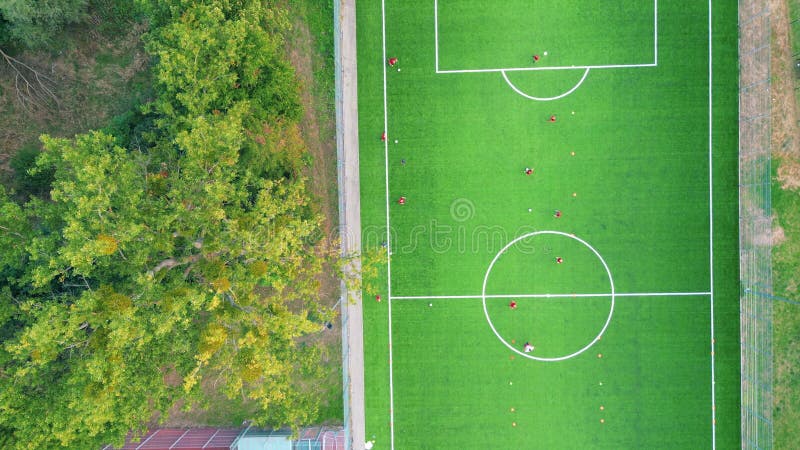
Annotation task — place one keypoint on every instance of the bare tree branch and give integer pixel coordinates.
(230, 299)
(169, 263)
(33, 88)
(12, 232)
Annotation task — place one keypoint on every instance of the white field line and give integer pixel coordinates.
(546, 99)
(388, 229)
(436, 31)
(386, 153)
(209, 439)
(531, 69)
(146, 440)
(644, 294)
(624, 294)
(610, 283)
(187, 432)
(655, 36)
(608, 66)
(711, 226)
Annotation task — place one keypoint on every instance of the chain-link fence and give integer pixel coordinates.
(755, 224)
(794, 30)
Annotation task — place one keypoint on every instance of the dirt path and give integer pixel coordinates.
(350, 217)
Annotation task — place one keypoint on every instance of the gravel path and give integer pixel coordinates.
(349, 218)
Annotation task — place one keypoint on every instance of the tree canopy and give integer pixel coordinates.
(33, 23)
(188, 258)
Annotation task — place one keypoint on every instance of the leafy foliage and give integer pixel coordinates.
(190, 257)
(213, 56)
(25, 183)
(33, 23)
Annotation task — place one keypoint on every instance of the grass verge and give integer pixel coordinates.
(785, 19)
(311, 50)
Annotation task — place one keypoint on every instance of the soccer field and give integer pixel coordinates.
(616, 257)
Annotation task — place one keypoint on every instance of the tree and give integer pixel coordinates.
(153, 269)
(212, 57)
(132, 271)
(33, 24)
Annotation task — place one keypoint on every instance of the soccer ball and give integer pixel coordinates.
(545, 53)
(398, 70)
(396, 141)
(430, 304)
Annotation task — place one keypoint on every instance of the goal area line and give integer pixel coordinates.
(599, 66)
(539, 69)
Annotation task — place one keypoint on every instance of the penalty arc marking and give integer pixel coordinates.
(546, 99)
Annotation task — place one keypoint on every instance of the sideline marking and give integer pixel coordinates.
(545, 99)
(388, 229)
(624, 294)
(711, 225)
(710, 101)
(489, 319)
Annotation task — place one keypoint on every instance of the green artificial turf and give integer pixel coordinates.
(629, 171)
(573, 33)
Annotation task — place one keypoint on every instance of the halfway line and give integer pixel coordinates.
(625, 294)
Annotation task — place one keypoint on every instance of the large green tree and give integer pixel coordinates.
(224, 55)
(186, 260)
(33, 23)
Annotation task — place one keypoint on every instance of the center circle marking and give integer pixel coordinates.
(527, 355)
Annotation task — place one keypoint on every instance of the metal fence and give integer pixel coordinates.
(755, 224)
(321, 438)
(794, 35)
